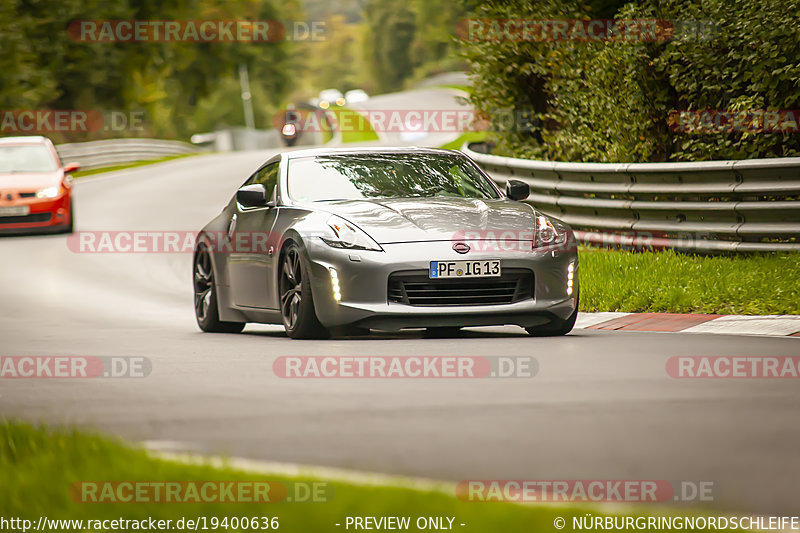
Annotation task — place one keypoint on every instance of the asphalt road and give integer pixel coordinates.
(601, 406)
(435, 122)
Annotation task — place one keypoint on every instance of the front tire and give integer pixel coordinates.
(205, 296)
(556, 328)
(70, 227)
(297, 304)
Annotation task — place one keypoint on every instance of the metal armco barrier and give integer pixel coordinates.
(751, 205)
(96, 154)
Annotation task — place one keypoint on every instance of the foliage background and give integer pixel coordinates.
(186, 87)
(574, 101)
(609, 101)
(183, 88)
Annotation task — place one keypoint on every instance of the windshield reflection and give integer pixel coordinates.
(361, 176)
(26, 158)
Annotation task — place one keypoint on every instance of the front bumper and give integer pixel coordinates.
(46, 215)
(363, 278)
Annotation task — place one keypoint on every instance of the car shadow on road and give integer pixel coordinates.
(411, 334)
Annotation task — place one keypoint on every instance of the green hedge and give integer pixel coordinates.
(610, 101)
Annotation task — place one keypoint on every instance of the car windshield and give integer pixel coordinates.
(26, 158)
(402, 175)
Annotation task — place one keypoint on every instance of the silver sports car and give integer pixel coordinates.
(349, 240)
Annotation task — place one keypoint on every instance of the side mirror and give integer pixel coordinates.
(254, 195)
(517, 190)
(71, 167)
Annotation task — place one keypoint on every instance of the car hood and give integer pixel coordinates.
(432, 219)
(29, 181)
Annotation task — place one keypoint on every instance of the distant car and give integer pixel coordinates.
(35, 189)
(356, 96)
(289, 131)
(330, 97)
(384, 238)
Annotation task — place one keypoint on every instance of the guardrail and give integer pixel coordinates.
(96, 154)
(751, 205)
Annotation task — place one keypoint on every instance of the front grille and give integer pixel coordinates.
(26, 219)
(27, 194)
(417, 289)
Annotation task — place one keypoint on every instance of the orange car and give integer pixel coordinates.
(35, 190)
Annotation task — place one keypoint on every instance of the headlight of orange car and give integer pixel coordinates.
(49, 192)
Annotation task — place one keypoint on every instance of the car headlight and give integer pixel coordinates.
(346, 235)
(546, 232)
(50, 192)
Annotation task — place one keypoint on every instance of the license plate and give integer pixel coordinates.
(15, 211)
(465, 269)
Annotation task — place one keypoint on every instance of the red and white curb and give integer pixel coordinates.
(771, 325)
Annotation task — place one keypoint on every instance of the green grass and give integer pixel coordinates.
(465, 88)
(356, 127)
(38, 466)
(469, 136)
(82, 173)
(680, 283)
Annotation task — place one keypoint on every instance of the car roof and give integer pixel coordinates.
(313, 152)
(30, 139)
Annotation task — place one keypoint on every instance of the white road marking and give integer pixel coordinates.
(586, 320)
(774, 325)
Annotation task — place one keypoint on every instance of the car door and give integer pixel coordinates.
(251, 261)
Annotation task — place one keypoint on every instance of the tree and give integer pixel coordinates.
(391, 30)
(611, 100)
(44, 67)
